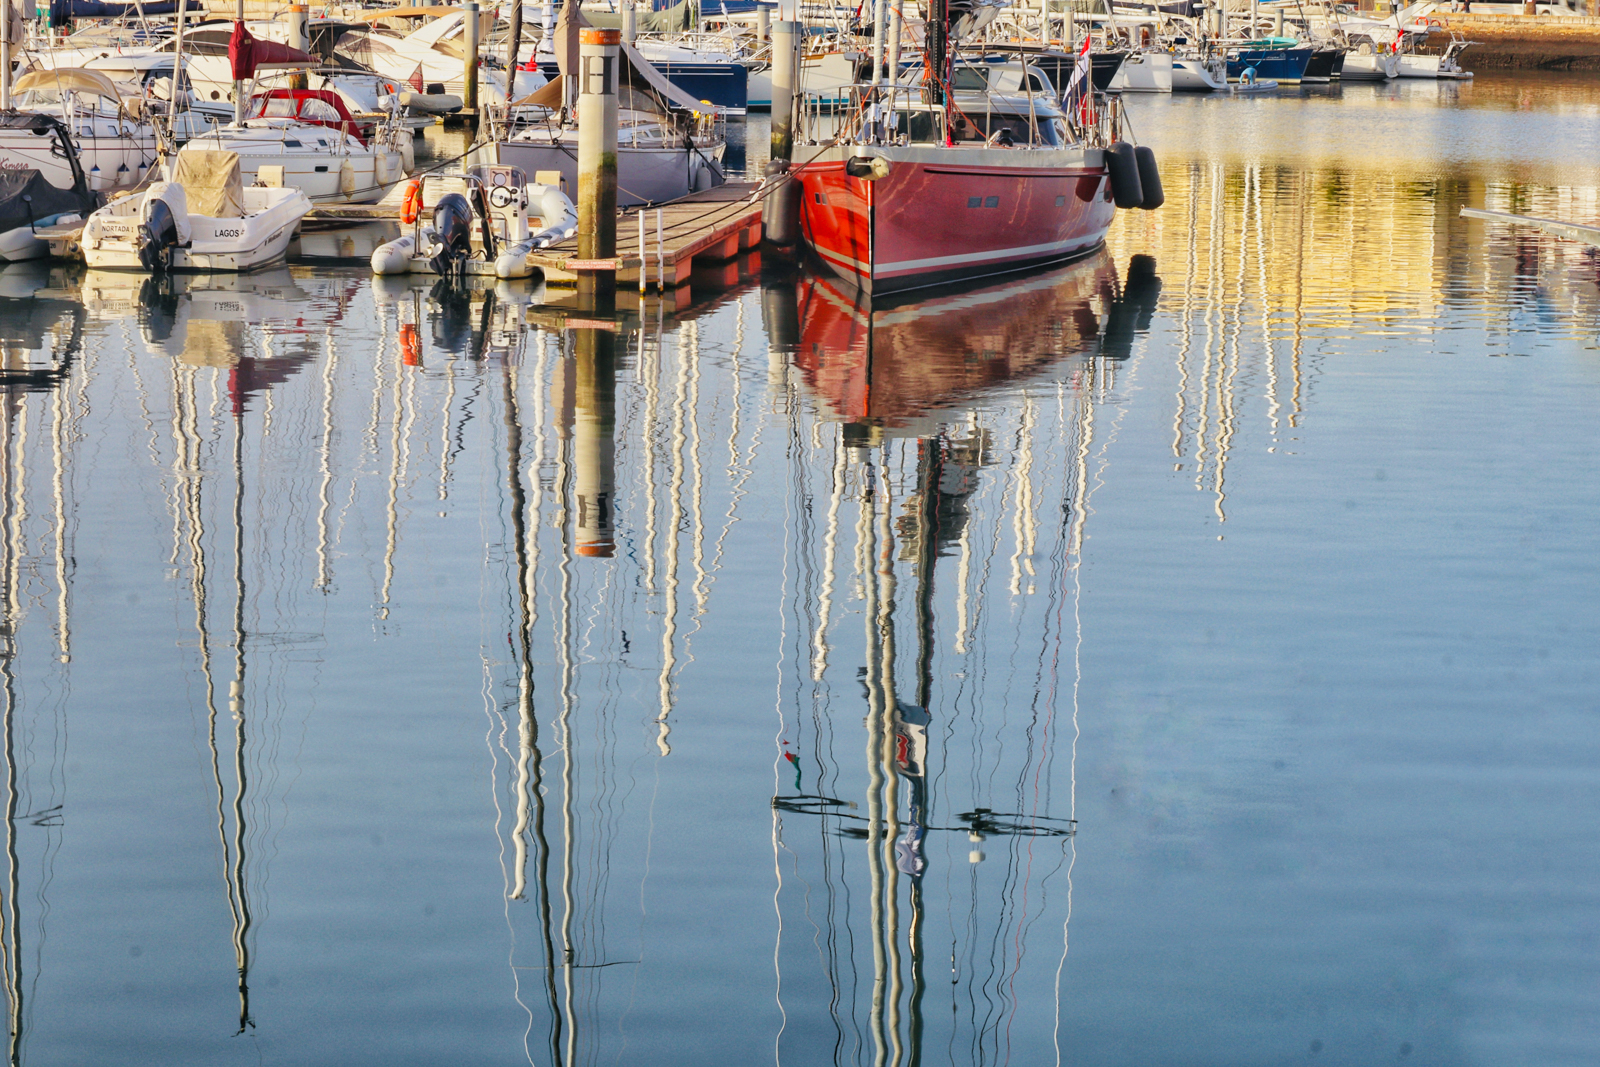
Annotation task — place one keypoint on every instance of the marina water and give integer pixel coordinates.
(1183, 656)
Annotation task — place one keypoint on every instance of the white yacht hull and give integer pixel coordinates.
(1440, 67)
(1370, 68)
(1412, 66)
(1194, 76)
(329, 169)
(108, 162)
(758, 91)
(1144, 72)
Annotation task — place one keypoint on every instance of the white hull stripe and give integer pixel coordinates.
(1025, 252)
(918, 266)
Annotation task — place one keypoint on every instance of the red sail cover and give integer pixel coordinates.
(247, 54)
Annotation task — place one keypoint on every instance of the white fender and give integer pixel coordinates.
(513, 262)
(556, 213)
(394, 257)
(347, 177)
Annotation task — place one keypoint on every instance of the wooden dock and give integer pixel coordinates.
(711, 227)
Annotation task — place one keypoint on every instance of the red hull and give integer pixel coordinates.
(949, 214)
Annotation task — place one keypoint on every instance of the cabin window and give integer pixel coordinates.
(974, 201)
(291, 144)
(1061, 201)
(981, 127)
(277, 108)
(991, 201)
(319, 111)
(1036, 83)
(969, 80)
(919, 126)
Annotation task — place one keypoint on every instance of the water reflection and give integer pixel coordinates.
(950, 422)
(41, 428)
(660, 688)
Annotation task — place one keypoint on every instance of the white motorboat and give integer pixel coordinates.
(205, 218)
(1442, 66)
(1201, 73)
(827, 77)
(30, 200)
(115, 142)
(487, 215)
(1368, 63)
(1144, 72)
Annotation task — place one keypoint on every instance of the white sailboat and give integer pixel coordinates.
(115, 141)
(307, 137)
(668, 143)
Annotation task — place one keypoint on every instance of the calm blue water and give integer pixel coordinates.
(1184, 657)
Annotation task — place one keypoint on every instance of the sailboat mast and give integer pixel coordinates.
(238, 83)
(938, 44)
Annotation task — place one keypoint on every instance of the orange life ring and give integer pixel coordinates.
(411, 206)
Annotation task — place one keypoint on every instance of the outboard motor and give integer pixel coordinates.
(158, 236)
(452, 223)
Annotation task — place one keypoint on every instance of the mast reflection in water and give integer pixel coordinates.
(41, 337)
(962, 845)
(450, 680)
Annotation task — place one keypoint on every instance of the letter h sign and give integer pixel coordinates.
(600, 75)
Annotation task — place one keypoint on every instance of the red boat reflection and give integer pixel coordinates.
(889, 364)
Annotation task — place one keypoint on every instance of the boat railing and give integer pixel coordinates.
(895, 113)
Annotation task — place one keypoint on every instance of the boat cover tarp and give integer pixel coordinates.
(550, 94)
(64, 11)
(675, 19)
(248, 54)
(80, 80)
(27, 196)
(68, 80)
(211, 182)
